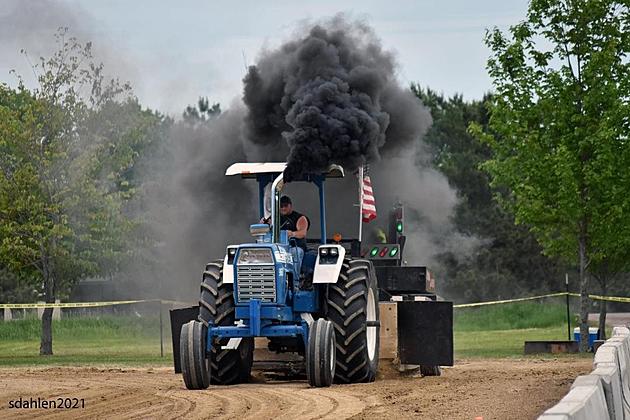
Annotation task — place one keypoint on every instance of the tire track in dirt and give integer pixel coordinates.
(117, 397)
(182, 407)
(515, 388)
(280, 401)
(49, 389)
(300, 405)
(343, 405)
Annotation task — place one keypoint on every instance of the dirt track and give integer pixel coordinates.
(489, 388)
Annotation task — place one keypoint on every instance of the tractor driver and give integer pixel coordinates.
(296, 224)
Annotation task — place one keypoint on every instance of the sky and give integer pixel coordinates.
(174, 52)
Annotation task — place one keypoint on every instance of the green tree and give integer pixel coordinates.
(560, 115)
(202, 112)
(509, 263)
(130, 155)
(60, 220)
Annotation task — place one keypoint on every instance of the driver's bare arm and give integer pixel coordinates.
(302, 227)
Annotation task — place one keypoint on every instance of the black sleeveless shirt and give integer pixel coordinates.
(289, 222)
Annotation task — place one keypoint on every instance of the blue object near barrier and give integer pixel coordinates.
(593, 334)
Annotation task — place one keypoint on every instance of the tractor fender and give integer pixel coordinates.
(327, 268)
(228, 271)
(228, 268)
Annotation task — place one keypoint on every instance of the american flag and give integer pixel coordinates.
(368, 205)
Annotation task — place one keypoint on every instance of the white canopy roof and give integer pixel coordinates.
(249, 169)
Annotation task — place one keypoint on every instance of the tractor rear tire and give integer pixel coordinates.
(216, 307)
(192, 350)
(320, 353)
(352, 302)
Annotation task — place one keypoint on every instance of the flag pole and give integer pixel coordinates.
(360, 202)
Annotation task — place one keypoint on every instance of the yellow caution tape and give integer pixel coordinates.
(606, 298)
(129, 302)
(496, 302)
(70, 305)
(178, 302)
(87, 304)
(593, 297)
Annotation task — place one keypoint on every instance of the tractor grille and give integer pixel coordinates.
(256, 282)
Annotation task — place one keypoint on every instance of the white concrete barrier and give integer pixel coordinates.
(614, 352)
(607, 353)
(605, 392)
(621, 331)
(581, 403)
(621, 339)
(623, 356)
(611, 384)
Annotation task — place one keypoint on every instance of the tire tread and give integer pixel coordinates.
(347, 309)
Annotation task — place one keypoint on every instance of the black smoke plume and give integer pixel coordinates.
(327, 95)
(332, 95)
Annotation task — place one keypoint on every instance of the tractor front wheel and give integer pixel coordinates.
(228, 365)
(192, 350)
(320, 353)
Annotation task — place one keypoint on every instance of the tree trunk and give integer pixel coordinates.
(45, 346)
(602, 309)
(584, 300)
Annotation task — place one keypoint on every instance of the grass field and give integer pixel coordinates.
(106, 339)
(491, 331)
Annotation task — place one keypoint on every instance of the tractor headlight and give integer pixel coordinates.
(255, 256)
(328, 255)
(231, 253)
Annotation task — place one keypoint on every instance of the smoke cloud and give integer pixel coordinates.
(193, 210)
(29, 26)
(328, 95)
(333, 97)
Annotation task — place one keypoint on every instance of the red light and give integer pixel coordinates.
(383, 251)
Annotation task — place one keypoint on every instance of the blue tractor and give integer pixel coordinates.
(322, 304)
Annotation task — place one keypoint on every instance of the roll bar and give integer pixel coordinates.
(276, 187)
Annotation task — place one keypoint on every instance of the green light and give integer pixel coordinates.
(374, 251)
(393, 252)
(399, 226)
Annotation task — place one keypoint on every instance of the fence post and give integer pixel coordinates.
(161, 331)
(566, 284)
(56, 315)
